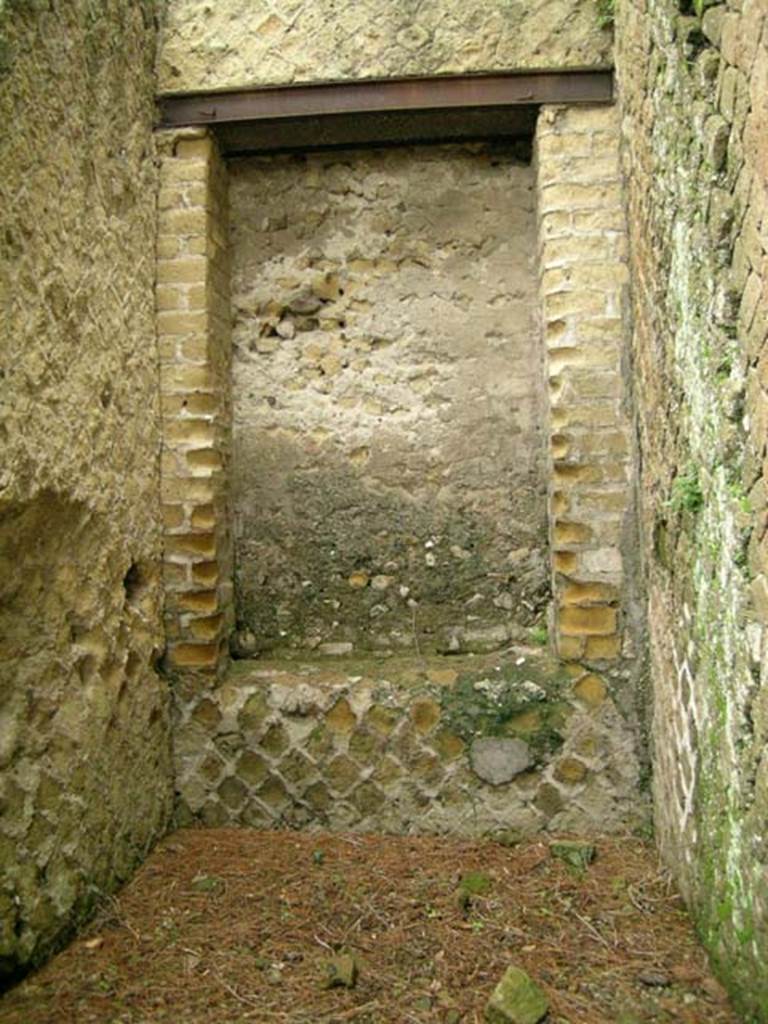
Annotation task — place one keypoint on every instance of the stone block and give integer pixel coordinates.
(187, 270)
(179, 322)
(570, 648)
(425, 714)
(204, 460)
(368, 799)
(570, 771)
(548, 799)
(596, 620)
(341, 718)
(191, 545)
(186, 377)
(448, 745)
(497, 760)
(205, 574)
(173, 517)
(275, 741)
(318, 797)
(232, 792)
(204, 602)
(716, 136)
(566, 562)
(196, 347)
(591, 690)
(341, 774)
(587, 593)
(603, 648)
(206, 628)
(252, 769)
(198, 149)
(184, 221)
(388, 771)
(297, 770)
(274, 796)
(194, 656)
(365, 746)
(565, 532)
(606, 561)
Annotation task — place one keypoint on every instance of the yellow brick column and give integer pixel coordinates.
(193, 319)
(584, 275)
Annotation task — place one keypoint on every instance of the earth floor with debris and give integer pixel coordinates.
(309, 928)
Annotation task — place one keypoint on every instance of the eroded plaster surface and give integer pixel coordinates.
(389, 457)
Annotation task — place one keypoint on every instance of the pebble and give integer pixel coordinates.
(286, 329)
(336, 649)
(653, 978)
(381, 582)
(341, 971)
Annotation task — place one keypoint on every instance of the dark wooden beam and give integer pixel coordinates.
(391, 111)
(383, 129)
(437, 93)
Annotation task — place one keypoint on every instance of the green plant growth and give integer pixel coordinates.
(700, 6)
(539, 636)
(686, 494)
(606, 13)
(506, 707)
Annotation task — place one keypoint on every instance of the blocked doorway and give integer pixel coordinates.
(389, 471)
(343, 327)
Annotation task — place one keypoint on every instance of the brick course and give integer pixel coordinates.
(584, 275)
(192, 300)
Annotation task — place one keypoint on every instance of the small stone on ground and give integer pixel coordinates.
(517, 999)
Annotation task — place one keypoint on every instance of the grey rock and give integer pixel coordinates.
(304, 303)
(336, 650)
(484, 639)
(243, 644)
(498, 760)
(286, 329)
(653, 978)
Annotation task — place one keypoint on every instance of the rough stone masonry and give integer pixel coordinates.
(389, 471)
(389, 382)
(84, 750)
(85, 771)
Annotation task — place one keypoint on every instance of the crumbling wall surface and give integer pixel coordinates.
(389, 454)
(694, 97)
(239, 43)
(84, 748)
(472, 745)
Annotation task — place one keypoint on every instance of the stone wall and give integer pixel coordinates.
(584, 274)
(694, 99)
(84, 738)
(240, 43)
(366, 287)
(193, 322)
(390, 469)
(506, 745)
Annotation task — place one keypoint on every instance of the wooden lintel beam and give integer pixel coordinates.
(529, 88)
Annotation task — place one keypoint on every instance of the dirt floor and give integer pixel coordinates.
(228, 926)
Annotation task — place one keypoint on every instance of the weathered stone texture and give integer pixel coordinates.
(694, 99)
(238, 43)
(389, 452)
(84, 744)
(466, 745)
(193, 322)
(584, 275)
